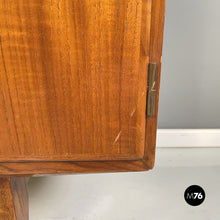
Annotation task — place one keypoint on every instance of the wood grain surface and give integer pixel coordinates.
(73, 81)
(70, 83)
(13, 199)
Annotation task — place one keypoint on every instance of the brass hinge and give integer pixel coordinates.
(151, 89)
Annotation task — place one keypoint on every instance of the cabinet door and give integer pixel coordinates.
(73, 79)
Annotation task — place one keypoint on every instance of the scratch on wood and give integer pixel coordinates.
(133, 111)
(118, 136)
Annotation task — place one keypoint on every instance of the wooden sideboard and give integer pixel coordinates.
(79, 90)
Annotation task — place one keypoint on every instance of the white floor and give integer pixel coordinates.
(152, 195)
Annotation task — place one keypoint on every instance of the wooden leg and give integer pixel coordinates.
(13, 198)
